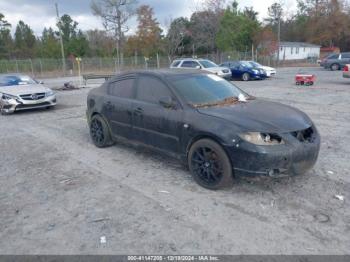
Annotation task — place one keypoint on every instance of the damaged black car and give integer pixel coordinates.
(216, 128)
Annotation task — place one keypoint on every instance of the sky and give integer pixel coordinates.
(41, 13)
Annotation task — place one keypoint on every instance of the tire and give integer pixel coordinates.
(245, 77)
(99, 132)
(335, 67)
(209, 165)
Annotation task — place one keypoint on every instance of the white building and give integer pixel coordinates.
(298, 51)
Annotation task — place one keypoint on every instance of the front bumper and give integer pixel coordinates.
(258, 76)
(12, 105)
(292, 158)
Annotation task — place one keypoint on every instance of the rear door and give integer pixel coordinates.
(154, 124)
(118, 105)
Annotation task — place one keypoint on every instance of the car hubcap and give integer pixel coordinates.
(206, 165)
(97, 131)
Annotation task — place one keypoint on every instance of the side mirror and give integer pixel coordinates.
(39, 82)
(167, 102)
(198, 67)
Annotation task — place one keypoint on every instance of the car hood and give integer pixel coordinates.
(216, 69)
(261, 116)
(23, 89)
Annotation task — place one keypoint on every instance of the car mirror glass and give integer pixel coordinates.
(198, 67)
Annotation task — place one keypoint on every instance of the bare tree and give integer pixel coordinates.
(176, 35)
(115, 14)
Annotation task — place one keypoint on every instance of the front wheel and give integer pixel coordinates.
(335, 67)
(99, 132)
(245, 77)
(209, 165)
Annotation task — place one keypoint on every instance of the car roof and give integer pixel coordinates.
(164, 72)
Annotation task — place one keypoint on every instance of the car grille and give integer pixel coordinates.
(32, 97)
(22, 106)
(306, 135)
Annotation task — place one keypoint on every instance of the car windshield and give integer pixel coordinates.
(207, 64)
(208, 90)
(246, 64)
(255, 64)
(15, 80)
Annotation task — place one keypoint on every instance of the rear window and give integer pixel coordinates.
(122, 88)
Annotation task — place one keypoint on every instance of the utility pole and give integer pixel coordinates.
(61, 41)
(279, 40)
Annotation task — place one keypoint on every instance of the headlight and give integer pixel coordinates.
(8, 97)
(255, 71)
(262, 139)
(49, 93)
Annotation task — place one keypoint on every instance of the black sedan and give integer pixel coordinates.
(219, 130)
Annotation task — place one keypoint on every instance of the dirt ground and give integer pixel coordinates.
(59, 194)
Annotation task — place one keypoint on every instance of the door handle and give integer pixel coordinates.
(138, 111)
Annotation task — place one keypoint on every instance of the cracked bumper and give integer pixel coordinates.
(293, 158)
(12, 105)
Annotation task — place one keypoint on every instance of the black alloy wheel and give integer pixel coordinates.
(210, 165)
(99, 132)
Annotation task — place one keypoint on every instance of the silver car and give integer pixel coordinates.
(20, 92)
(202, 64)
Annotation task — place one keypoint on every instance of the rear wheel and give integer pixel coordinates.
(209, 165)
(245, 77)
(335, 67)
(99, 132)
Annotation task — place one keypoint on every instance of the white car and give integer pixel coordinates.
(20, 92)
(270, 71)
(202, 64)
(346, 71)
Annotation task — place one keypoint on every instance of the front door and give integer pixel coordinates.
(154, 124)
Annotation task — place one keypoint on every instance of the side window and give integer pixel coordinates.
(151, 89)
(175, 63)
(347, 55)
(122, 88)
(189, 64)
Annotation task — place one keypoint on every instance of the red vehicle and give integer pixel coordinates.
(305, 79)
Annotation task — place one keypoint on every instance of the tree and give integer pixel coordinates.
(251, 13)
(75, 42)
(24, 40)
(177, 33)
(49, 45)
(148, 31)
(266, 42)
(204, 25)
(6, 42)
(100, 43)
(115, 14)
(236, 31)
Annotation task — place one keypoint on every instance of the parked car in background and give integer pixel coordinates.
(270, 71)
(201, 64)
(244, 70)
(217, 129)
(346, 71)
(21, 92)
(336, 61)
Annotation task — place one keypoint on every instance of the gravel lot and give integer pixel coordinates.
(59, 194)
